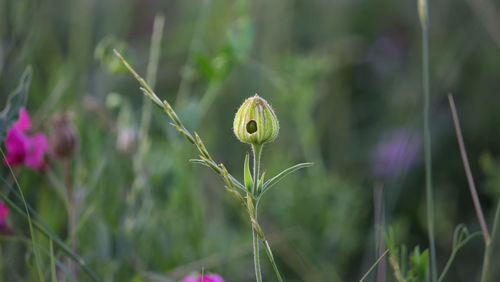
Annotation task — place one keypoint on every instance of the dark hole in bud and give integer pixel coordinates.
(252, 126)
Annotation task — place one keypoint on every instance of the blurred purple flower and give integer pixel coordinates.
(203, 278)
(395, 153)
(4, 211)
(24, 149)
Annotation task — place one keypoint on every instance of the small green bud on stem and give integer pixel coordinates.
(255, 122)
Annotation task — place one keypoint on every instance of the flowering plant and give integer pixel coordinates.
(255, 123)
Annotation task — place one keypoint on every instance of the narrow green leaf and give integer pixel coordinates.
(247, 174)
(15, 102)
(268, 184)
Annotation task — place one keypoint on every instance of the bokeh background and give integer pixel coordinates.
(344, 78)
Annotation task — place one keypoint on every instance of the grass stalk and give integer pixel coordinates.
(378, 195)
(485, 272)
(146, 112)
(424, 22)
(374, 265)
(468, 173)
(52, 262)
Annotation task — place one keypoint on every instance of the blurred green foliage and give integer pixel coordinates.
(339, 74)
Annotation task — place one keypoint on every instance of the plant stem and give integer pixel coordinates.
(256, 260)
(73, 212)
(427, 137)
(468, 173)
(423, 14)
(379, 230)
(257, 150)
(488, 254)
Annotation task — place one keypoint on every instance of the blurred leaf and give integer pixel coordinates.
(17, 100)
(104, 53)
(240, 38)
(418, 263)
(204, 66)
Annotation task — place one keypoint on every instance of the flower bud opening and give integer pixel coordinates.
(251, 127)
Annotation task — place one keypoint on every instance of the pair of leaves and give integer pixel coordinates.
(262, 186)
(249, 182)
(15, 101)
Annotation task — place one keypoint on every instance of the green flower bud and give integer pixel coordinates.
(255, 122)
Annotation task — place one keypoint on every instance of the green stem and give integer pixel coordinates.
(485, 273)
(427, 149)
(257, 150)
(256, 260)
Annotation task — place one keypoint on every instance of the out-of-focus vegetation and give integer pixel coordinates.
(344, 78)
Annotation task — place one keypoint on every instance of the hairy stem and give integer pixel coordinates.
(257, 150)
(256, 259)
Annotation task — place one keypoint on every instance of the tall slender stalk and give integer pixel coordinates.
(256, 259)
(424, 22)
(468, 173)
(257, 150)
(378, 192)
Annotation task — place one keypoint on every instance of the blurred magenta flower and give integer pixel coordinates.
(395, 153)
(4, 211)
(203, 278)
(24, 149)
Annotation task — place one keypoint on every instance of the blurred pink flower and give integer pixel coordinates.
(4, 211)
(24, 122)
(203, 278)
(24, 149)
